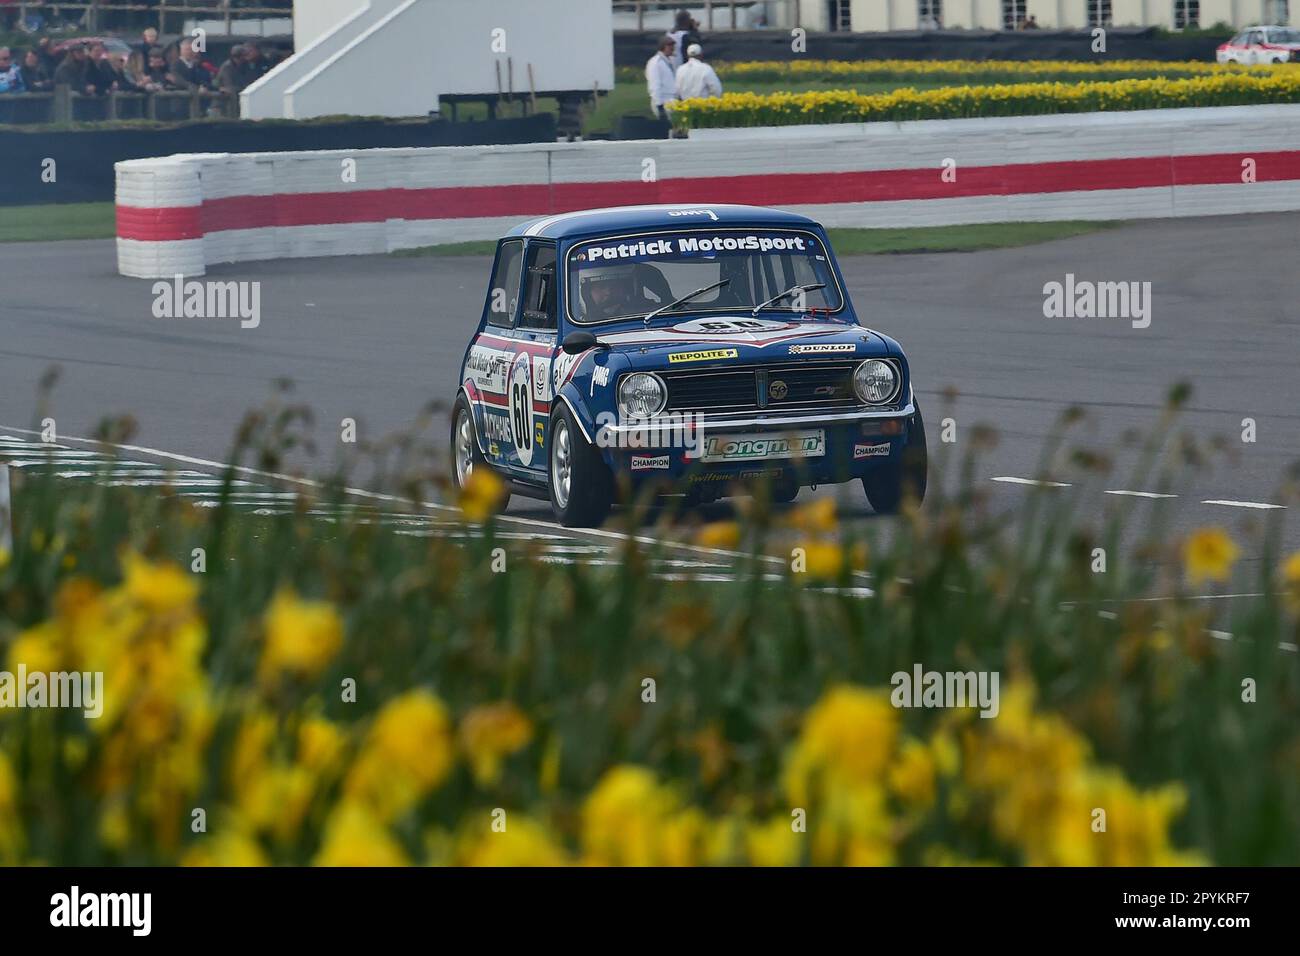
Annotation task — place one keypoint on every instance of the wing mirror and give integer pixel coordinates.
(575, 343)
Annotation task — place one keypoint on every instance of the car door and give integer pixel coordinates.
(531, 346)
(1254, 52)
(488, 362)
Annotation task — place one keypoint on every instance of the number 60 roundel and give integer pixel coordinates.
(521, 407)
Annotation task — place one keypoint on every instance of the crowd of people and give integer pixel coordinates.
(96, 67)
(677, 70)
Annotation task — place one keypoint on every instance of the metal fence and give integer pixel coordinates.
(65, 106)
(716, 14)
(94, 15)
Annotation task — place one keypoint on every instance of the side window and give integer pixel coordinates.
(503, 293)
(539, 289)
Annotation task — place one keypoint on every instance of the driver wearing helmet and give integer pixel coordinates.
(609, 291)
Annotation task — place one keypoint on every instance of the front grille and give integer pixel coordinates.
(758, 387)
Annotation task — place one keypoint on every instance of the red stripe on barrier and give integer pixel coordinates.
(165, 223)
(774, 189)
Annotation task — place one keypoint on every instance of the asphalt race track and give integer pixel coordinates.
(376, 338)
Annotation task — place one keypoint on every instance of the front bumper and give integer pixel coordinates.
(856, 443)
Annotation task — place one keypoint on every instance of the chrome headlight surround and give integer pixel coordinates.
(877, 382)
(641, 395)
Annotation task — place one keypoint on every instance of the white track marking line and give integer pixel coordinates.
(1035, 482)
(435, 505)
(1139, 494)
(1257, 505)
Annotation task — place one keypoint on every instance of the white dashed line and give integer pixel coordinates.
(1139, 494)
(1257, 505)
(1036, 482)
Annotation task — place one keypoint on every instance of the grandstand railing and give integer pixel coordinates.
(88, 13)
(718, 14)
(65, 106)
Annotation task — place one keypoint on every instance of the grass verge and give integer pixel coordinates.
(81, 220)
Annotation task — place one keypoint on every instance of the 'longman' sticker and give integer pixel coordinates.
(704, 355)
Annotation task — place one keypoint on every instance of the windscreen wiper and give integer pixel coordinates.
(687, 298)
(808, 287)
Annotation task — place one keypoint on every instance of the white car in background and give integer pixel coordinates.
(1253, 45)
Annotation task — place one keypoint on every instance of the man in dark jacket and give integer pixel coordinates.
(74, 71)
(188, 73)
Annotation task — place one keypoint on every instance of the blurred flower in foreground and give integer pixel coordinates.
(407, 753)
(630, 819)
(491, 733)
(721, 535)
(231, 848)
(524, 842)
(482, 494)
(1291, 581)
(354, 836)
(302, 637)
(816, 517)
(822, 560)
(1209, 555)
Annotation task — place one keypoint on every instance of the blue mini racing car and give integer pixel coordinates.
(702, 350)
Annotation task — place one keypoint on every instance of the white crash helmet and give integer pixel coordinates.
(588, 278)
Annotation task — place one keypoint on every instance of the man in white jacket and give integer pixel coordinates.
(696, 79)
(659, 79)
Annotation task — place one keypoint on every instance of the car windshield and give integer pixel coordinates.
(611, 279)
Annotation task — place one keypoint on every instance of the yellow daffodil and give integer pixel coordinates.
(230, 848)
(355, 836)
(482, 494)
(1209, 555)
(302, 637)
(491, 733)
(523, 842)
(407, 753)
(1291, 581)
(720, 535)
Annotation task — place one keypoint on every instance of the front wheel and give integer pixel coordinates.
(906, 475)
(580, 483)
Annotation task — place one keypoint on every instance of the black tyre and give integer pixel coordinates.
(465, 455)
(905, 476)
(580, 483)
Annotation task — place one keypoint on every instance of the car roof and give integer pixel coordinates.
(622, 219)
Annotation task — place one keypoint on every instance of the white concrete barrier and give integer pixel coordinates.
(178, 214)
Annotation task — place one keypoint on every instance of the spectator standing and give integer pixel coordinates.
(685, 31)
(116, 75)
(148, 40)
(255, 63)
(35, 76)
(188, 73)
(45, 50)
(156, 76)
(660, 79)
(74, 71)
(696, 79)
(11, 75)
(234, 74)
(98, 73)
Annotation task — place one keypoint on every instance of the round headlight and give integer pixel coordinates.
(641, 395)
(875, 381)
